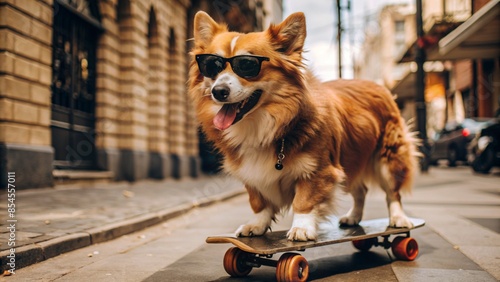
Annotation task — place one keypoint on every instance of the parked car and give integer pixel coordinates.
(452, 142)
(484, 149)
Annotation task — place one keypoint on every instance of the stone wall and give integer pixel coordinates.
(143, 120)
(143, 113)
(144, 125)
(25, 78)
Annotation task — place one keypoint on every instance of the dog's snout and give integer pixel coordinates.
(221, 92)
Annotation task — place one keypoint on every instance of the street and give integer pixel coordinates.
(116, 117)
(460, 241)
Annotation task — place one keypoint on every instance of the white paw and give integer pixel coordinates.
(302, 234)
(304, 228)
(249, 230)
(349, 220)
(258, 226)
(400, 221)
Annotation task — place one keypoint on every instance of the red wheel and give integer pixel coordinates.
(235, 262)
(364, 245)
(292, 267)
(405, 248)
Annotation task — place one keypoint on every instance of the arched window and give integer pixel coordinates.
(171, 42)
(153, 79)
(173, 122)
(122, 11)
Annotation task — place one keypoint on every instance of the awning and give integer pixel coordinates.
(405, 88)
(476, 38)
(438, 29)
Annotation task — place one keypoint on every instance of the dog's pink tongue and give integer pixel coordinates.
(225, 117)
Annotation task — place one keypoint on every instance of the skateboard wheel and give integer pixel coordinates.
(292, 267)
(364, 245)
(281, 266)
(404, 248)
(235, 262)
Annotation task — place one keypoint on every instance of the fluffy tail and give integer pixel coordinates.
(399, 151)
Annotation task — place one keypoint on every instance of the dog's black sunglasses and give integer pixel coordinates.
(246, 66)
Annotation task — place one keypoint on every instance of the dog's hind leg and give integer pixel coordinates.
(354, 215)
(397, 166)
(397, 217)
(396, 176)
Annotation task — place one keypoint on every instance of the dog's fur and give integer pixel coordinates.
(340, 134)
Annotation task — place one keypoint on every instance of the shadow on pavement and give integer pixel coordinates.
(205, 264)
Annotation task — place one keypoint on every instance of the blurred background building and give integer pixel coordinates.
(96, 90)
(462, 43)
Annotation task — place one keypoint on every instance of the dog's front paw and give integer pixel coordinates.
(258, 226)
(250, 230)
(348, 220)
(400, 221)
(302, 234)
(304, 228)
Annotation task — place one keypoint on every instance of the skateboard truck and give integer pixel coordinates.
(289, 267)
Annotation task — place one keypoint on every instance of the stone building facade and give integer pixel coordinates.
(97, 88)
(25, 97)
(95, 85)
(144, 126)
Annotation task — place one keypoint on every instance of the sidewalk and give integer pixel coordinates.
(53, 221)
(461, 210)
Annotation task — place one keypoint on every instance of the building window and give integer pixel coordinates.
(399, 37)
(171, 41)
(76, 29)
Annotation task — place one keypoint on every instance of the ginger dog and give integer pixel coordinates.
(291, 139)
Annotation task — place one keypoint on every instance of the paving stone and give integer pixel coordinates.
(430, 275)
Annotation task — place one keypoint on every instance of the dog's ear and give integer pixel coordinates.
(288, 37)
(205, 28)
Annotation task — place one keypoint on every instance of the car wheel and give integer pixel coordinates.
(484, 162)
(452, 156)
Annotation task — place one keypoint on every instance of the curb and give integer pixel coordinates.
(37, 252)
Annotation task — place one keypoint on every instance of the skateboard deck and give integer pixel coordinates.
(256, 251)
(277, 242)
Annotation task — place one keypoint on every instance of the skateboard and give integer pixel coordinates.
(250, 252)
